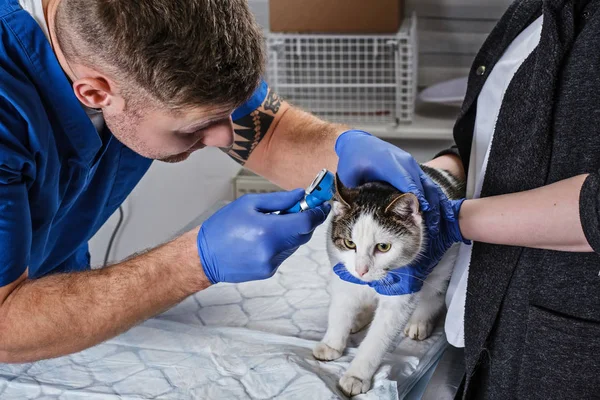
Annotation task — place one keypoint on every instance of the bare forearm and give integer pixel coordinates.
(296, 150)
(545, 218)
(66, 313)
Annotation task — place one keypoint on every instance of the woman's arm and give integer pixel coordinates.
(546, 218)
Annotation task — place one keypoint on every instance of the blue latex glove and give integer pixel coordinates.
(365, 158)
(241, 243)
(409, 279)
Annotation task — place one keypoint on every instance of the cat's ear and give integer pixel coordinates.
(339, 208)
(404, 204)
(342, 198)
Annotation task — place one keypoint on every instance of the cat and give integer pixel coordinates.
(376, 228)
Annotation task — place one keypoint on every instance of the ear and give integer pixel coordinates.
(339, 208)
(342, 198)
(94, 92)
(404, 204)
(342, 193)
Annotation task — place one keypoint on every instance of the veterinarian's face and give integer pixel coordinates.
(168, 137)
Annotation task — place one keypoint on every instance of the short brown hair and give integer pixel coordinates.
(181, 52)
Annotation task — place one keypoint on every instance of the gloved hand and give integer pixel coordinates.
(365, 158)
(241, 243)
(409, 279)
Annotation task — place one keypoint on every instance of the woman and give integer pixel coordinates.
(524, 299)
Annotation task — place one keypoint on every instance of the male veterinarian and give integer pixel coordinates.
(92, 90)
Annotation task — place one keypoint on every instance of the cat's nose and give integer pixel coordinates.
(361, 271)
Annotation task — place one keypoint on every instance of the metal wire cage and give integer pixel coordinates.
(347, 78)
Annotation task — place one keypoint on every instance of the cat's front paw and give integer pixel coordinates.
(352, 386)
(325, 353)
(418, 329)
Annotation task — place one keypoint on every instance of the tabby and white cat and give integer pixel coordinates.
(374, 229)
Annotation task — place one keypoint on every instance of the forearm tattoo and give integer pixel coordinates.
(250, 130)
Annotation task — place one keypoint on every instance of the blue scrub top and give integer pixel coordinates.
(59, 179)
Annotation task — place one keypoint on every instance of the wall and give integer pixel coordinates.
(450, 32)
(165, 200)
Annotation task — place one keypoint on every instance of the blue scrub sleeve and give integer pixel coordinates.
(78, 261)
(16, 166)
(15, 232)
(257, 98)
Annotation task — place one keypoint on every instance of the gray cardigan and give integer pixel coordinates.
(532, 317)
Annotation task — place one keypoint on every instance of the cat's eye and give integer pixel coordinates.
(384, 247)
(349, 244)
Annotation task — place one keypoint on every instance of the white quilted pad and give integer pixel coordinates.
(247, 341)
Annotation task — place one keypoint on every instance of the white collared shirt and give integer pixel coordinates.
(488, 108)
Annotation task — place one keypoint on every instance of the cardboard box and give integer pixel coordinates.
(336, 16)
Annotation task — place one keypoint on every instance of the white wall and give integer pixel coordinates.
(166, 199)
(169, 196)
